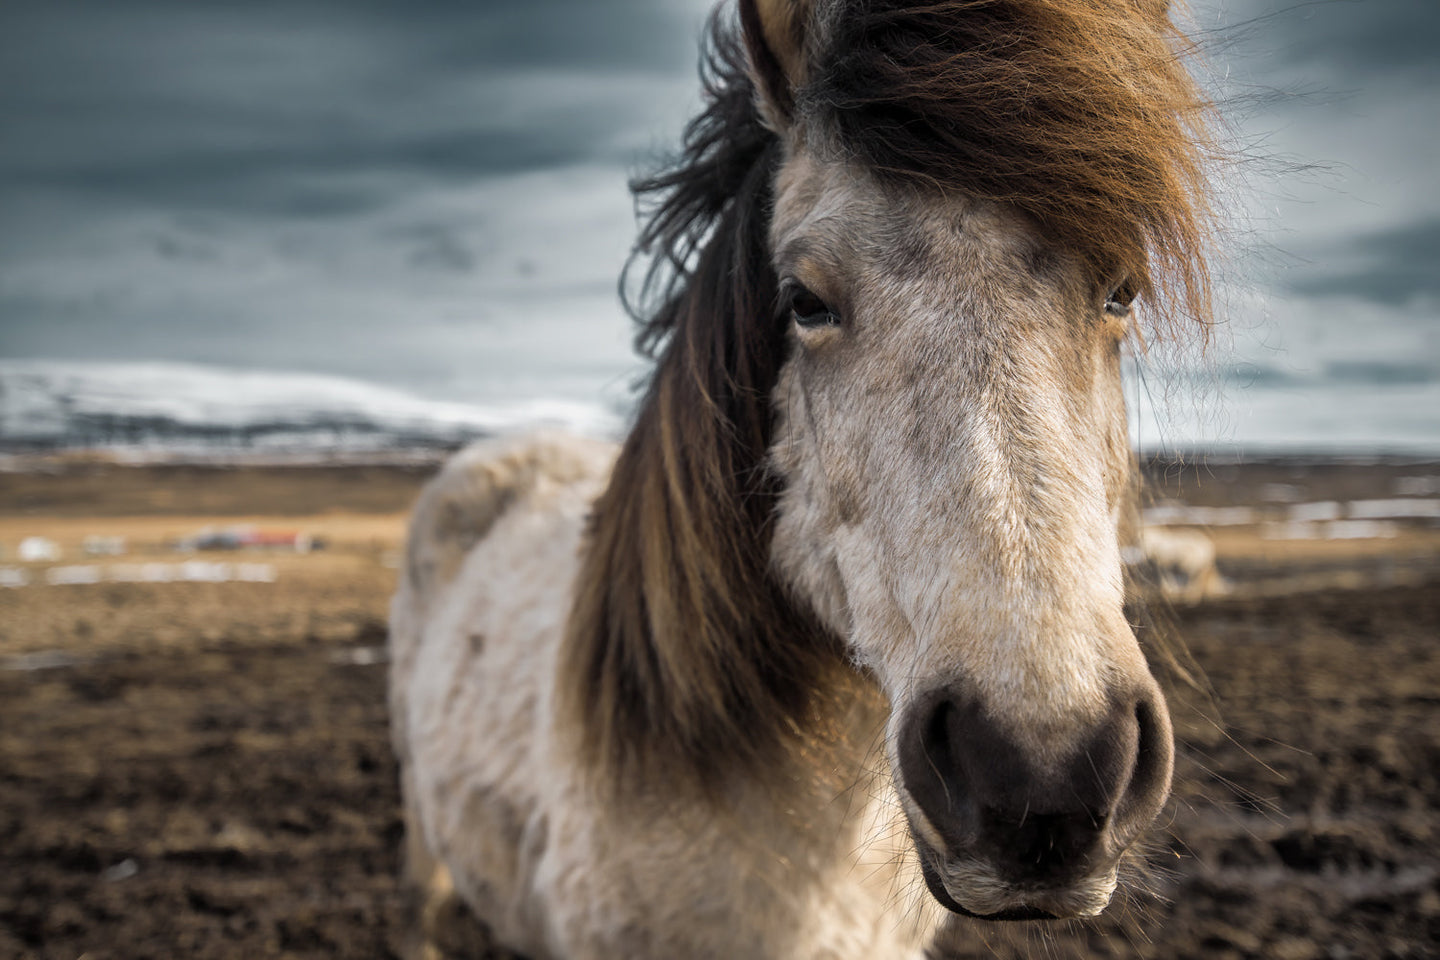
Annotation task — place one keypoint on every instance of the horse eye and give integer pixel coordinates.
(1119, 299)
(810, 311)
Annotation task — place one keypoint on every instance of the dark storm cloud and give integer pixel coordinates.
(288, 107)
(564, 33)
(1395, 266)
(1338, 100)
(1348, 41)
(364, 188)
(319, 177)
(432, 193)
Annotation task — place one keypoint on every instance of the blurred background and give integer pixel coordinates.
(351, 215)
(263, 263)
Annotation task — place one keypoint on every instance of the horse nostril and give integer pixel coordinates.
(940, 752)
(1149, 782)
(937, 772)
(1035, 817)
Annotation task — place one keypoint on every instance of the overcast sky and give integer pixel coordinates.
(426, 193)
(432, 194)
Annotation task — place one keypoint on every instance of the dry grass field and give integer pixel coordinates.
(202, 769)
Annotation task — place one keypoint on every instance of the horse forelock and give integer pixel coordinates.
(683, 652)
(1080, 113)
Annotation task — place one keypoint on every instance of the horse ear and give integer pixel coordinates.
(775, 39)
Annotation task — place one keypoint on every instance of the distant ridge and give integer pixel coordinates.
(172, 409)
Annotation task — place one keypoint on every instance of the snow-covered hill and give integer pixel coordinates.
(179, 408)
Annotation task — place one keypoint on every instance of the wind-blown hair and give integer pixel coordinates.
(1081, 113)
(683, 651)
(681, 645)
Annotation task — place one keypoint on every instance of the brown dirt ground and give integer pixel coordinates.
(204, 769)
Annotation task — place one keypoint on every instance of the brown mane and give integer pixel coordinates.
(681, 646)
(683, 652)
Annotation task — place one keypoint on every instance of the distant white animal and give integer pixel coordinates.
(1180, 561)
(38, 550)
(96, 545)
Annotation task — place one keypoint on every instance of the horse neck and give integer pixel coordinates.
(814, 803)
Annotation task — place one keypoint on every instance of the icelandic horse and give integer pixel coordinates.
(830, 652)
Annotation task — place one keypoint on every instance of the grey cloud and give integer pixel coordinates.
(320, 177)
(1391, 266)
(566, 33)
(246, 105)
(158, 156)
(221, 181)
(1335, 105)
(1344, 41)
(435, 247)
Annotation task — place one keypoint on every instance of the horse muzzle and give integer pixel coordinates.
(1010, 831)
(990, 898)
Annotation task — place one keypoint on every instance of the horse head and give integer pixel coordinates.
(887, 425)
(951, 430)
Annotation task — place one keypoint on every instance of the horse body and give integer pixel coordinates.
(804, 871)
(831, 651)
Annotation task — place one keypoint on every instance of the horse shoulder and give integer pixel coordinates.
(475, 627)
(460, 506)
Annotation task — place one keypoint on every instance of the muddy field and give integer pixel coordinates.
(203, 769)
